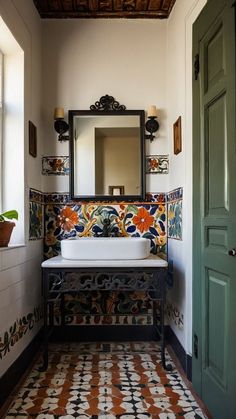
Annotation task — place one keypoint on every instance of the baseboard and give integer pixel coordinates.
(184, 358)
(11, 378)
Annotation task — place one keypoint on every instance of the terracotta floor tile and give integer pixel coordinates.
(104, 381)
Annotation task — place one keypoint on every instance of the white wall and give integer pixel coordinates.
(20, 275)
(86, 59)
(179, 102)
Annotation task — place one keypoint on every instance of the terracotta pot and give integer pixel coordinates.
(6, 228)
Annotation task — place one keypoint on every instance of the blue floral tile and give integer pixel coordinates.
(36, 196)
(175, 194)
(35, 220)
(57, 198)
(175, 220)
(81, 220)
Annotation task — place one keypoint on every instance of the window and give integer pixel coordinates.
(1, 116)
(12, 189)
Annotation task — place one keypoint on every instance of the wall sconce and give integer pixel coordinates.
(152, 125)
(60, 125)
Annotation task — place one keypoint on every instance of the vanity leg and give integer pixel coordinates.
(62, 309)
(167, 367)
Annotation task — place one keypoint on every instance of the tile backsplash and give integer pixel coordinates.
(62, 218)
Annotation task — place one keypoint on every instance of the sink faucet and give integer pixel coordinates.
(106, 227)
(109, 230)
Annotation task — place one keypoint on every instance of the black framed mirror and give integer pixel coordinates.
(107, 152)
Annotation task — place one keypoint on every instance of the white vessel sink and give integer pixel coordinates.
(105, 248)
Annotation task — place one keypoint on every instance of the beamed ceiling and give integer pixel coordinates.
(61, 9)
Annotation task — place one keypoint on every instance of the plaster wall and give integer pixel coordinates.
(179, 87)
(85, 59)
(20, 276)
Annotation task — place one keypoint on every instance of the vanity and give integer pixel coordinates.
(107, 163)
(67, 276)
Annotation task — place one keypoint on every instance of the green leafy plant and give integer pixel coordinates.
(9, 215)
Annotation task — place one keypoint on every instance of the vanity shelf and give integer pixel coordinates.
(63, 276)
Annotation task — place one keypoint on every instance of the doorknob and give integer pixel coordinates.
(232, 252)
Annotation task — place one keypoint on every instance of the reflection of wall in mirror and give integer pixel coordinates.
(89, 159)
(84, 156)
(117, 163)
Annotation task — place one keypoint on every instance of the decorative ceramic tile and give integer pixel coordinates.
(18, 330)
(142, 220)
(90, 308)
(35, 221)
(55, 165)
(159, 198)
(174, 315)
(175, 220)
(35, 196)
(175, 194)
(136, 220)
(56, 198)
(110, 380)
(157, 164)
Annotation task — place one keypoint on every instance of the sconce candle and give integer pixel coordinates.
(152, 111)
(152, 125)
(60, 125)
(59, 113)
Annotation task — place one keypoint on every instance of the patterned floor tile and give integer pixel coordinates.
(104, 381)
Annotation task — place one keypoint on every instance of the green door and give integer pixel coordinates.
(214, 213)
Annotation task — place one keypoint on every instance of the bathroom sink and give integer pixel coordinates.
(105, 248)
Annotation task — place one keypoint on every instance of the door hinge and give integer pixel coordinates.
(196, 66)
(195, 345)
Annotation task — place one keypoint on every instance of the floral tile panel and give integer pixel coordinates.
(109, 308)
(175, 220)
(174, 213)
(35, 221)
(157, 164)
(123, 380)
(86, 220)
(55, 165)
(174, 315)
(18, 330)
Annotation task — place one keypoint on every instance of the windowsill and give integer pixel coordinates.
(13, 246)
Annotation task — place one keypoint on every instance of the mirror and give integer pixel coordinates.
(107, 153)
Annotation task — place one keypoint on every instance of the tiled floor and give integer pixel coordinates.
(104, 381)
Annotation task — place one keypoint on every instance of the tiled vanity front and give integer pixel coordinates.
(62, 276)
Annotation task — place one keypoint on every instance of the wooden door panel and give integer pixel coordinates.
(214, 56)
(217, 239)
(216, 170)
(217, 303)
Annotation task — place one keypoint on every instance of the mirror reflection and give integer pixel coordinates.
(107, 155)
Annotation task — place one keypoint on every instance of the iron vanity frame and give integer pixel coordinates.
(58, 281)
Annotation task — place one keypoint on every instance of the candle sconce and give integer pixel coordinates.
(152, 125)
(60, 125)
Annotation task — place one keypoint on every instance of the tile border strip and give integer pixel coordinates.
(18, 329)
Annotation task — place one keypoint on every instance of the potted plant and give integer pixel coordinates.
(6, 227)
